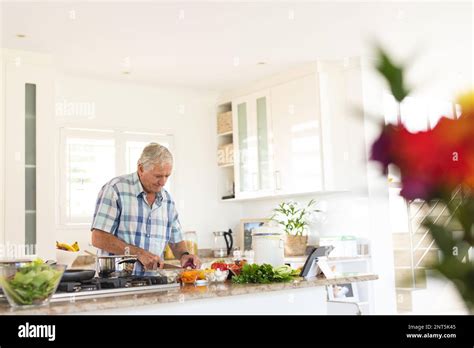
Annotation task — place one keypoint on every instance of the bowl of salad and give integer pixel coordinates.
(30, 284)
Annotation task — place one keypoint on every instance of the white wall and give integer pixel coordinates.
(2, 148)
(345, 213)
(124, 105)
(378, 194)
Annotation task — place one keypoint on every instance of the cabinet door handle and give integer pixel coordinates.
(277, 180)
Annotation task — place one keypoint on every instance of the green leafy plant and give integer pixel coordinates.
(437, 167)
(293, 217)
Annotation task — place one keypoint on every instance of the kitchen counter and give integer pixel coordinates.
(302, 296)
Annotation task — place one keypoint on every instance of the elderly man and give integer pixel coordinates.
(135, 211)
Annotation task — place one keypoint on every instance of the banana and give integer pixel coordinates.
(64, 246)
(75, 246)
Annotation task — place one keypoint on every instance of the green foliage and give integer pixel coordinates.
(456, 237)
(293, 218)
(393, 74)
(455, 264)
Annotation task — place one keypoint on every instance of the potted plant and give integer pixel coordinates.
(295, 220)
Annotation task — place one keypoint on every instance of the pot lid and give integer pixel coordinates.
(116, 256)
(267, 231)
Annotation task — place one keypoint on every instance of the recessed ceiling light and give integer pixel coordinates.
(20, 36)
(126, 72)
(261, 63)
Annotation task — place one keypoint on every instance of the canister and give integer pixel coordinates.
(268, 245)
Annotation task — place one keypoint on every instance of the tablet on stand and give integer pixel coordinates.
(316, 263)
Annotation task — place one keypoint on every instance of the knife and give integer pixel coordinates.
(170, 266)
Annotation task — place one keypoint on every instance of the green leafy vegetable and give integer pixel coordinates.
(264, 274)
(33, 282)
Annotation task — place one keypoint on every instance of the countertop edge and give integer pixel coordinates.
(177, 295)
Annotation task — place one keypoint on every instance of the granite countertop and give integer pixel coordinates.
(179, 294)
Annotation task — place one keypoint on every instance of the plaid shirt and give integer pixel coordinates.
(122, 209)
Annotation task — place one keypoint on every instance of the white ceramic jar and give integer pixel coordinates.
(268, 245)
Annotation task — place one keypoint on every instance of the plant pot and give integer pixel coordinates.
(295, 245)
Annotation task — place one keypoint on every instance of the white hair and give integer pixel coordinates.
(155, 154)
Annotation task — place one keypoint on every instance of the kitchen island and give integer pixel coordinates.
(299, 296)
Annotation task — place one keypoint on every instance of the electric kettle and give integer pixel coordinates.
(223, 243)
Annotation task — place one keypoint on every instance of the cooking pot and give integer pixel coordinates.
(115, 264)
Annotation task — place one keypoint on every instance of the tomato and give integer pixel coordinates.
(219, 265)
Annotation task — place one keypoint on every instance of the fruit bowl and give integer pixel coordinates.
(30, 284)
(67, 258)
(189, 276)
(217, 276)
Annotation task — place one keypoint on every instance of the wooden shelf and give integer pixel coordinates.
(224, 134)
(226, 165)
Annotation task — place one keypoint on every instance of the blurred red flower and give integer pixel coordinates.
(432, 163)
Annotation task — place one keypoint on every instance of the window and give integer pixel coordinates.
(418, 114)
(90, 158)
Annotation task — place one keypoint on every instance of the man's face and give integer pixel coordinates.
(154, 178)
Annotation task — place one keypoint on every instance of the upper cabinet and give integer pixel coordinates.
(343, 90)
(297, 138)
(253, 155)
(301, 133)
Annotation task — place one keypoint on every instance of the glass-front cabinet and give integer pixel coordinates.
(300, 135)
(253, 156)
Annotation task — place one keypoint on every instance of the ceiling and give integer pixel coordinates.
(217, 45)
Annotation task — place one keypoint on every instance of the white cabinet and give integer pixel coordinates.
(297, 136)
(362, 303)
(302, 133)
(29, 155)
(253, 154)
(342, 125)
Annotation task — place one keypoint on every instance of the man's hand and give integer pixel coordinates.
(187, 259)
(149, 260)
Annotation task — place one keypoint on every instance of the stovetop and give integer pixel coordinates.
(106, 287)
(110, 283)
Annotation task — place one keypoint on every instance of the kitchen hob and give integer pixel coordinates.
(105, 287)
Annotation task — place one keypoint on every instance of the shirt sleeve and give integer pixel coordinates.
(176, 230)
(107, 210)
